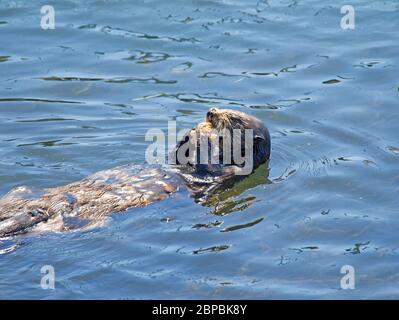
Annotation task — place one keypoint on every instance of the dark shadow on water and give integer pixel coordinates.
(227, 201)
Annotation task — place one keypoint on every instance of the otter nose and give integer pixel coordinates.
(210, 114)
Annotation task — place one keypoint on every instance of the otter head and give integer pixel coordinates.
(228, 142)
(228, 119)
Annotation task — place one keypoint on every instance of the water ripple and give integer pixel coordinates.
(242, 226)
(114, 31)
(39, 100)
(212, 249)
(110, 80)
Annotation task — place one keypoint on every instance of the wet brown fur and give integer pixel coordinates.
(93, 198)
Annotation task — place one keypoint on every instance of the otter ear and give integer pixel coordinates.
(259, 137)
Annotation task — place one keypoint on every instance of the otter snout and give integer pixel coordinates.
(211, 115)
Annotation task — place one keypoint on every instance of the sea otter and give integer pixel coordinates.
(87, 202)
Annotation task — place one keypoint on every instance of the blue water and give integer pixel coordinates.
(80, 98)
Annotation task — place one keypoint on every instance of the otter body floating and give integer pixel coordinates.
(86, 203)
